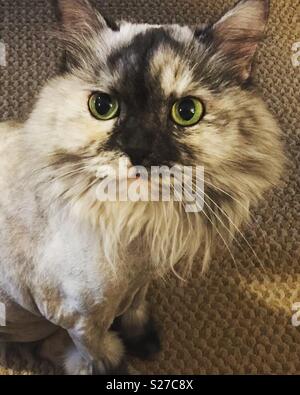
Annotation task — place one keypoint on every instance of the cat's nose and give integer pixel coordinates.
(138, 157)
(137, 145)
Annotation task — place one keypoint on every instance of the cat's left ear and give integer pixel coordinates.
(237, 34)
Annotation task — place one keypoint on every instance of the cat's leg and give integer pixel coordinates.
(60, 350)
(55, 347)
(137, 329)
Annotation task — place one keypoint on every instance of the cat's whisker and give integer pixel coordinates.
(69, 174)
(222, 238)
(235, 200)
(238, 202)
(85, 190)
(187, 269)
(173, 249)
(61, 196)
(44, 183)
(227, 228)
(216, 216)
(51, 166)
(239, 232)
(229, 195)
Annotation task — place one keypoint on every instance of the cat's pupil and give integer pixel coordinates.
(103, 104)
(187, 109)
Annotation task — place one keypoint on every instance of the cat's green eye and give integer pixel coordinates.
(103, 107)
(187, 111)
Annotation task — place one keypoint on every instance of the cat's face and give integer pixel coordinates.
(164, 95)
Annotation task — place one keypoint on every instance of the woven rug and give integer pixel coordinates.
(238, 317)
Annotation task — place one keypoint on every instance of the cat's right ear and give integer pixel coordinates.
(79, 23)
(79, 17)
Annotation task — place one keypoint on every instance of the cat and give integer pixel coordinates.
(74, 270)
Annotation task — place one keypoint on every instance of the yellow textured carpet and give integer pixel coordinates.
(238, 318)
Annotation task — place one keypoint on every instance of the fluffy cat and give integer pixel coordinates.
(74, 270)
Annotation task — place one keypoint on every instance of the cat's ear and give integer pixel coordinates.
(79, 17)
(80, 22)
(237, 34)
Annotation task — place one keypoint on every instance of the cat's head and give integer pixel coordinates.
(162, 95)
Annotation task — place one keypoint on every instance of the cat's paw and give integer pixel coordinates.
(146, 344)
(111, 360)
(76, 365)
(102, 368)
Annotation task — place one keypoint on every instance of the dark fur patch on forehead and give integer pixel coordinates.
(145, 44)
(135, 57)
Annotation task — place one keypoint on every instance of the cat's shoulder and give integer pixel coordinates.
(10, 133)
(10, 126)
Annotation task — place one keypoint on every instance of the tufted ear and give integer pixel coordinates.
(80, 17)
(80, 21)
(237, 34)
